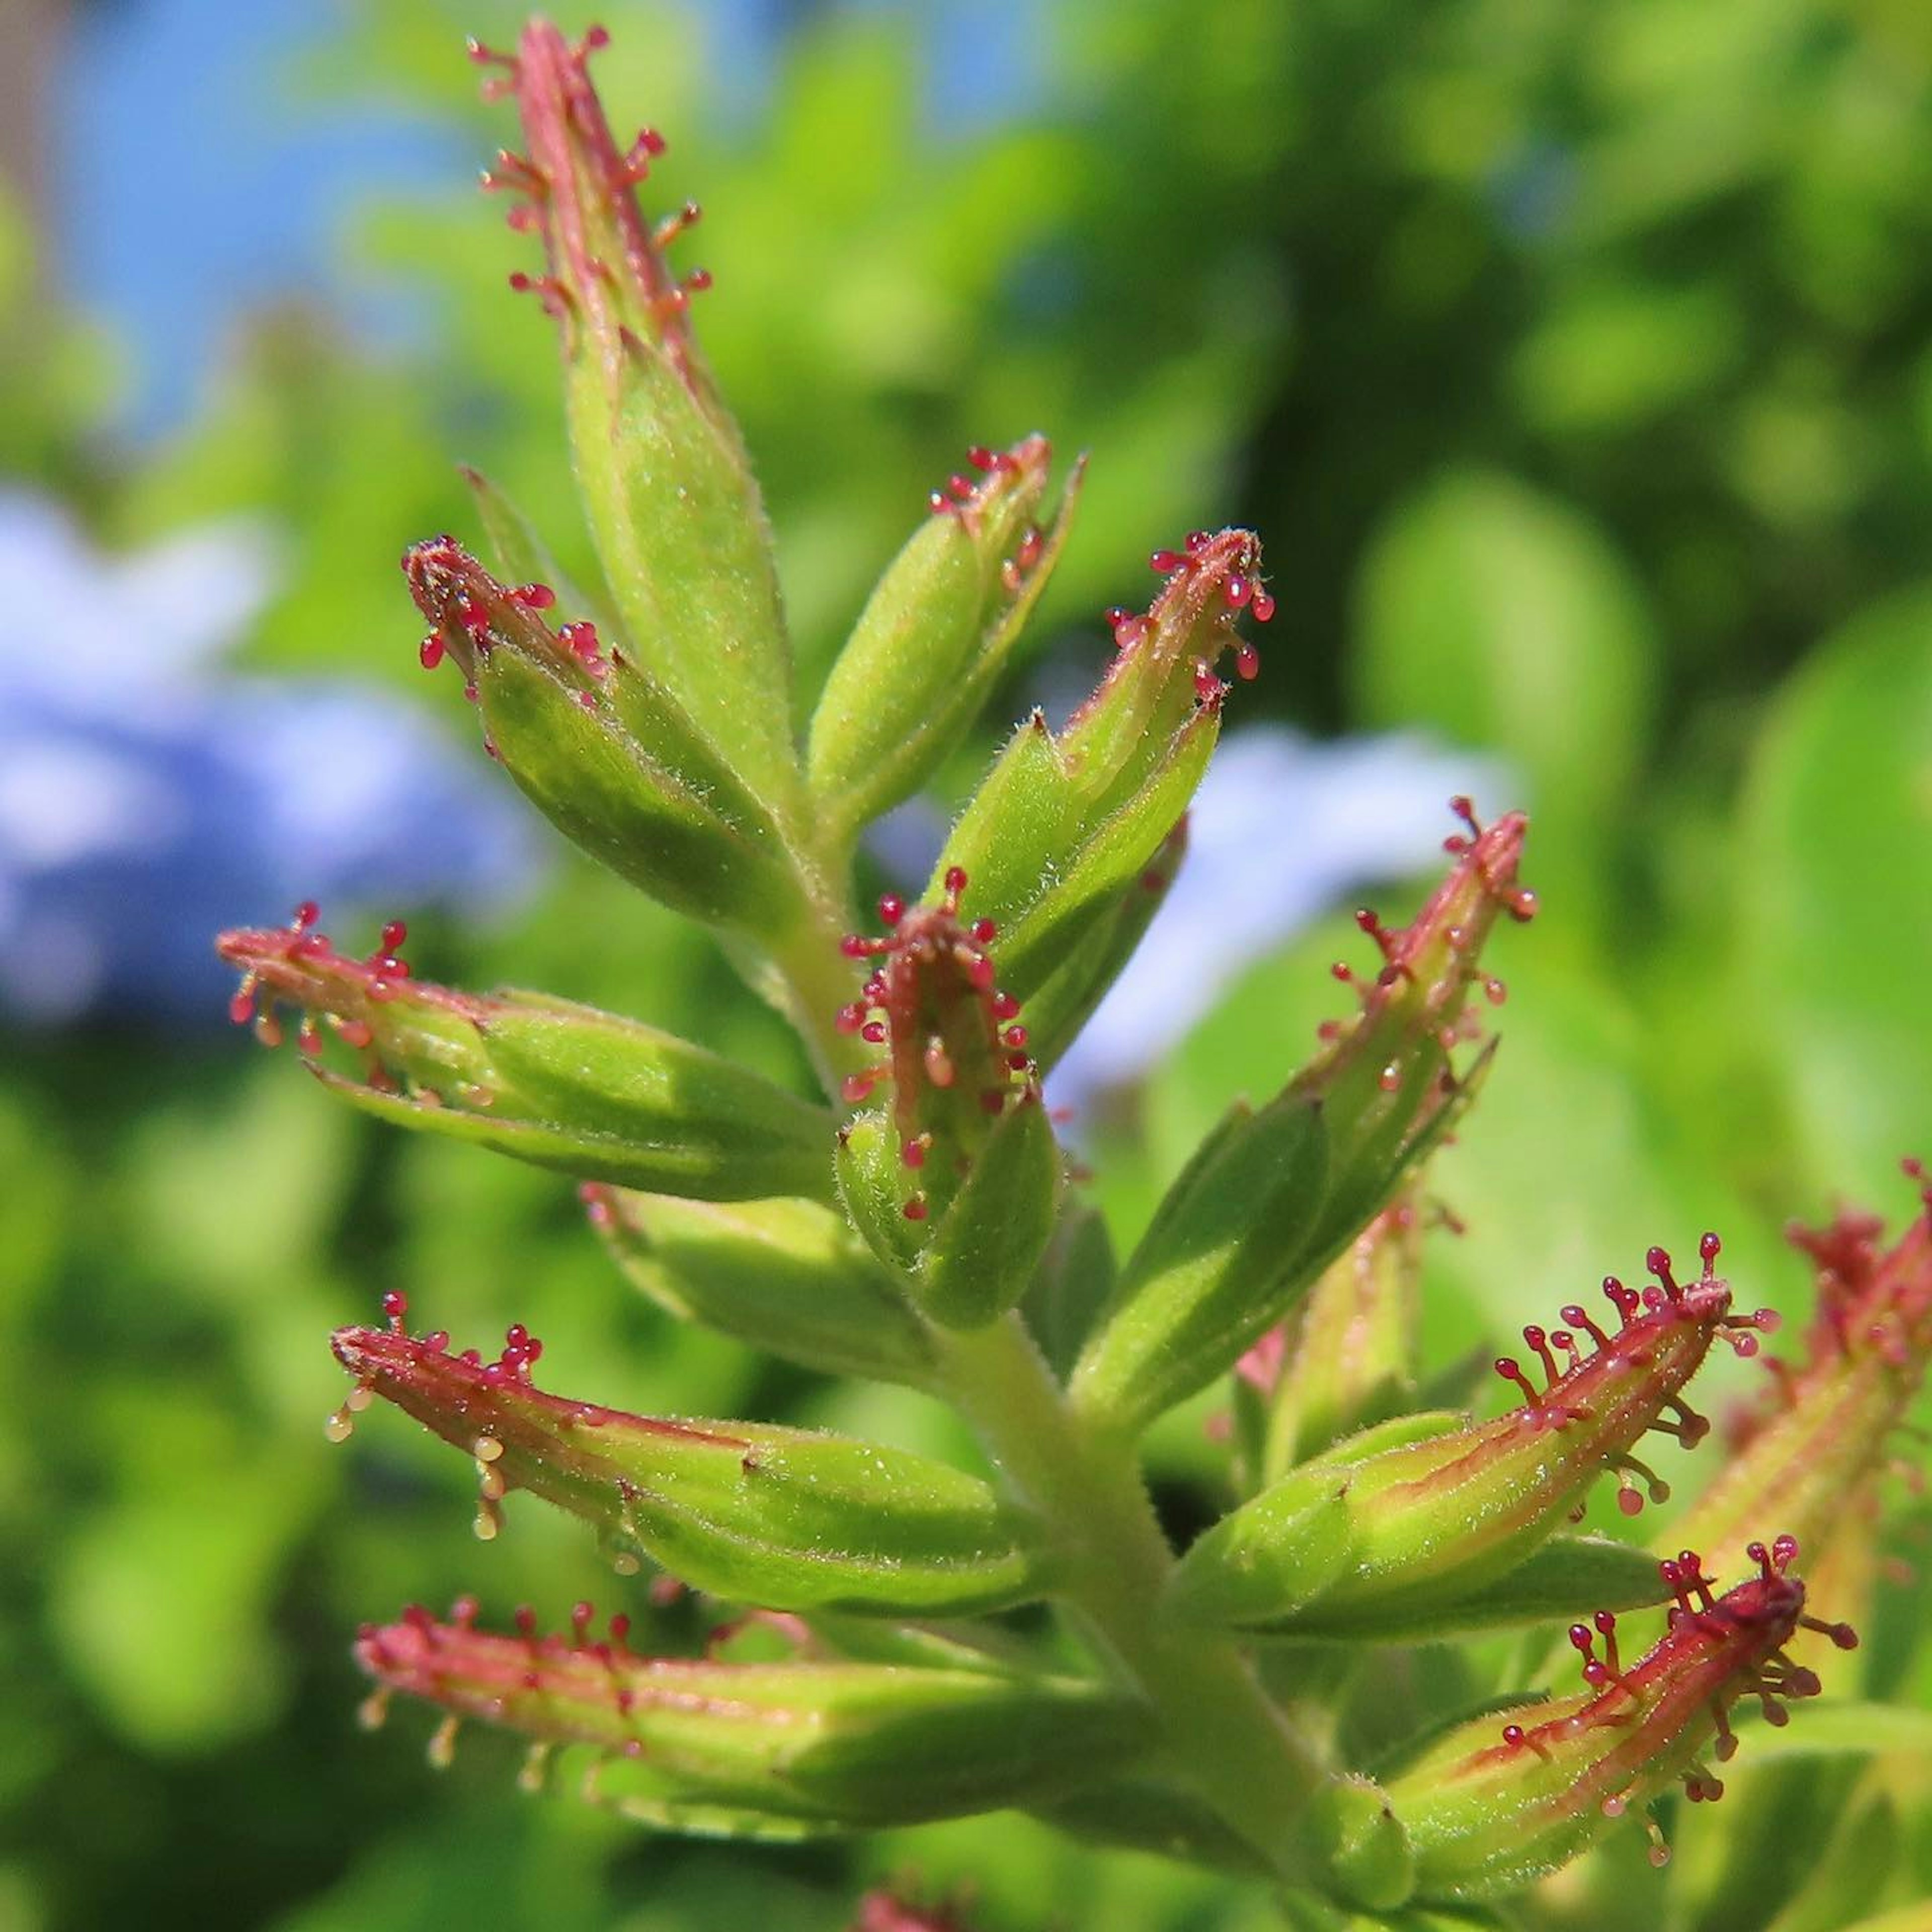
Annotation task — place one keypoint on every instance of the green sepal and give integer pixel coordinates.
(982, 1255)
(1220, 1262)
(875, 1188)
(1058, 1009)
(588, 776)
(1367, 1850)
(1289, 1563)
(790, 1519)
(843, 1747)
(1070, 1286)
(1545, 1587)
(788, 1276)
(937, 629)
(1050, 860)
(966, 1265)
(680, 528)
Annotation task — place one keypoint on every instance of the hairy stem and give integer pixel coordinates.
(1220, 1727)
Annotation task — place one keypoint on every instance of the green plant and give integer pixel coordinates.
(917, 1226)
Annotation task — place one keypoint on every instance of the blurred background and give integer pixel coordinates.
(1574, 363)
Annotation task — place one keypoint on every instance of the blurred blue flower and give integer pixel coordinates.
(1282, 828)
(148, 797)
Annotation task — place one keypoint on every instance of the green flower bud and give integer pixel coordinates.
(745, 1747)
(1272, 1197)
(787, 1276)
(1348, 1357)
(958, 1185)
(1386, 1084)
(672, 502)
(1065, 825)
(1378, 1538)
(602, 747)
(1486, 1807)
(559, 1085)
(789, 1518)
(918, 667)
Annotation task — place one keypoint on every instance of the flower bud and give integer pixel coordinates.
(918, 667)
(957, 1185)
(1826, 1426)
(672, 506)
(789, 1518)
(1487, 1807)
(1347, 1359)
(1065, 825)
(1273, 1197)
(1385, 1080)
(602, 747)
(559, 1085)
(1422, 1523)
(787, 1276)
(1227, 1233)
(746, 1746)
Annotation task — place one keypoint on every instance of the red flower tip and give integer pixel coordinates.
(374, 1004)
(1209, 584)
(474, 615)
(521, 1436)
(606, 277)
(1001, 472)
(1873, 1301)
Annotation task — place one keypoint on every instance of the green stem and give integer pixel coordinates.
(1218, 1724)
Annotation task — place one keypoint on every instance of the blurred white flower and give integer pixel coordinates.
(148, 797)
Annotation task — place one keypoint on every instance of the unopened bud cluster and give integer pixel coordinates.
(918, 1221)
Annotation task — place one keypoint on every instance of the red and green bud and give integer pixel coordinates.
(1393, 1531)
(744, 1747)
(1386, 1080)
(1065, 824)
(672, 506)
(1272, 1198)
(1828, 1425)
(789, 1518)
(919, 665)
(788, 1277)
(1489, 1806)
(559, 1085)
(956, 1183)
(600, 746)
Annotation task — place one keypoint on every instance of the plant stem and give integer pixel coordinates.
(1220, 1726)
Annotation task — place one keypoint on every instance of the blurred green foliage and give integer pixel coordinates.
(1574, 363)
